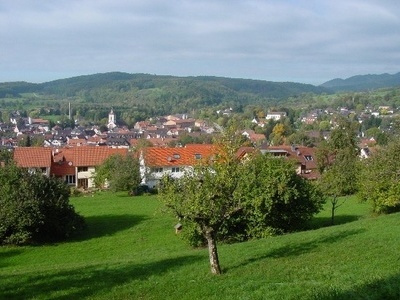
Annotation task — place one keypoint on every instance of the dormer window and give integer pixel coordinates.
(308, 157)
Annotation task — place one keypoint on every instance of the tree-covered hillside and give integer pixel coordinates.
(363, 82)
(162, 92)
(136, 97)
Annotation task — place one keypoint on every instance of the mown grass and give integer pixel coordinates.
(130, 251)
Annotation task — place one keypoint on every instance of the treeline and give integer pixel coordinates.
(163, 94)
(136, 97)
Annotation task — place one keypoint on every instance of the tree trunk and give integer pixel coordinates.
(334, 202)
(212, 251)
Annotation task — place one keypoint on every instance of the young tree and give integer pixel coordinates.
(379, 181)
(120, 173)
(205, 195)
(230, 199)
(338, 163)
(340, 180)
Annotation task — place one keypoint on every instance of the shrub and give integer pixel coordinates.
(34, 208)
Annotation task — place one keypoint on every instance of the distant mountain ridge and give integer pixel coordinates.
(363, 82)
(200, 91)
(192, 86)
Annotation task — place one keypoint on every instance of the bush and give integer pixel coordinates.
(34, 208)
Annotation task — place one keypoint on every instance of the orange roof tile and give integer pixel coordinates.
(32, 157)
(185, 156)
(76, 142)
(87, 156)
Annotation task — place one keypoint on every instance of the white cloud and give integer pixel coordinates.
(305, 40)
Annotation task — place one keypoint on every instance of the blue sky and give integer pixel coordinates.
(309, 41)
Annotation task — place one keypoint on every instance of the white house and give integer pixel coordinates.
(156, 162)
(276, 116)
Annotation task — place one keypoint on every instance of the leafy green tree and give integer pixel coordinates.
(382, 139)
(344, 136)
(380, 175)
(6, 156)
(34, 208)
(342, 139)
(300, 138)
(324, 155)
(204, 197)
(372, 132)
(275, 197)
(230, 199)
(324, 125)
(119, 173)
(338, 163)
(278, 134)
(340, 180)
(25, 141)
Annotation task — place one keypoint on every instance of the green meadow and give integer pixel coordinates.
(130, 251)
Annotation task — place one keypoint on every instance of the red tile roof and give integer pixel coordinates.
(63, 161)
(32, 157)
(185, 156)
(76, 142)
(87, 156)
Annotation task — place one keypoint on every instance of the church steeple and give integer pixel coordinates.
(111, 120)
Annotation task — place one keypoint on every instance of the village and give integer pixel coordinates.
(74, 153)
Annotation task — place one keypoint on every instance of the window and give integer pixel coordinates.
(308, 157)
(175, 169)
(157, 170)
(82, 169)
(70, 179)
(197, 156)
(176, 156)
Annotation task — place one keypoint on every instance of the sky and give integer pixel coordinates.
(307, 41)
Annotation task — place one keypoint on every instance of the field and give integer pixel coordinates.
(130, 251)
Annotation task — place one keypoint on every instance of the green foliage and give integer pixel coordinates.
(341, 177)
(276, 198)
(241, 200)
(379, 182)
(341, 145)
(338, 163)
(6, 156)
(119, 173)
(34, 208)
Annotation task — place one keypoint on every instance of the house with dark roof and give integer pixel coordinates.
(303, 157)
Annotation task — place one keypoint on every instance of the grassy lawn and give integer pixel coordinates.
(130, 251)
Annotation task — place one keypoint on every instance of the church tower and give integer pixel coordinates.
(111, 120)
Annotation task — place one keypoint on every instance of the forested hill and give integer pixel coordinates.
(203, 90)
(363, 82)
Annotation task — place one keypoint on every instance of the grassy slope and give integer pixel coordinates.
(131, 252)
